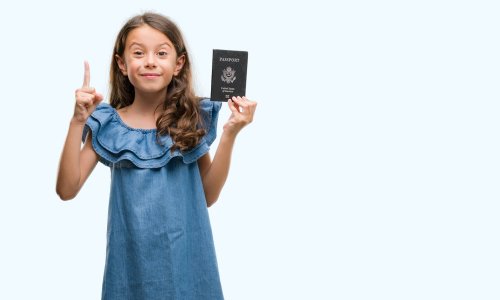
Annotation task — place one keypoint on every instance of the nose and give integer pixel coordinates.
(150, 60)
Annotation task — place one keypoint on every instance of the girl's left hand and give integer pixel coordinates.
(242, 111)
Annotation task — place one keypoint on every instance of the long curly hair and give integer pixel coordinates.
(180, 112)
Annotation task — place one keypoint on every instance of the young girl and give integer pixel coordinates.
(155, 138)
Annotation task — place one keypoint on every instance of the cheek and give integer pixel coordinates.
(132, 67)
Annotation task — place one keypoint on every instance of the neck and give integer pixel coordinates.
(147, 103)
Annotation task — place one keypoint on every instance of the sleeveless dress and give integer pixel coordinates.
(159, 239)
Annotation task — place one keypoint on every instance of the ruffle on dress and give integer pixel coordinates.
(120, 145)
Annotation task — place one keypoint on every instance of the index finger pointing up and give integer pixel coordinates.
(86, 75)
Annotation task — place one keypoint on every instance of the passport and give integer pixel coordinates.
(229, 74)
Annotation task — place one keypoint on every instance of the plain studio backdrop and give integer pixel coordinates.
(371, 170)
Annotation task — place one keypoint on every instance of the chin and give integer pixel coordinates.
(152, 90)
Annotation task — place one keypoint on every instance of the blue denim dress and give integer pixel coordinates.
(159, 240)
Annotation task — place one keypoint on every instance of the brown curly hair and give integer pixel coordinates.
(180, 115)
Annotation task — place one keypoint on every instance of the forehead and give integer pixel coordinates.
(147, 36)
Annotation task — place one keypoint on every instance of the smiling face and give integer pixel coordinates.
(149, 60)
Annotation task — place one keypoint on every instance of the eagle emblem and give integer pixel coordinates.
(228, 75)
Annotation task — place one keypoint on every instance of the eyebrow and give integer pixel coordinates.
(141, 45)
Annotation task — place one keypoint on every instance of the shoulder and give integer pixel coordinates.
(103, 110)
(103, 114)
(209, 111)
(207, 105)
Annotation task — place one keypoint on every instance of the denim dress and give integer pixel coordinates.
(159, 239)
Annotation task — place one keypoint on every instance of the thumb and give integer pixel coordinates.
(98, 98)
(232, 106)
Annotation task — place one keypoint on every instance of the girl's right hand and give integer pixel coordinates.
(87, 99)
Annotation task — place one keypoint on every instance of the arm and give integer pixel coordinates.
(76, 164)
(214, 173)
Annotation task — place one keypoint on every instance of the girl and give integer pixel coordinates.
(155, 138)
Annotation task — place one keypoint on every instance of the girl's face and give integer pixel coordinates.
(149, 60)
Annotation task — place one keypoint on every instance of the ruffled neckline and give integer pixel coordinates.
(120, 120)
(120, 145)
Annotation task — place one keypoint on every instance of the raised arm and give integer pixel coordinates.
(214, 173)
(76, 162)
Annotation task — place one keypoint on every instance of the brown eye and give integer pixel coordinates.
(162, 53)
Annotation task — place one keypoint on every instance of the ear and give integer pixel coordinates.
(179, 64)
(121, 64)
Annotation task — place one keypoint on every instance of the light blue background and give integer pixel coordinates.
(371, 170)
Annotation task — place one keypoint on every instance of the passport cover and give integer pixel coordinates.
(229, 74)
